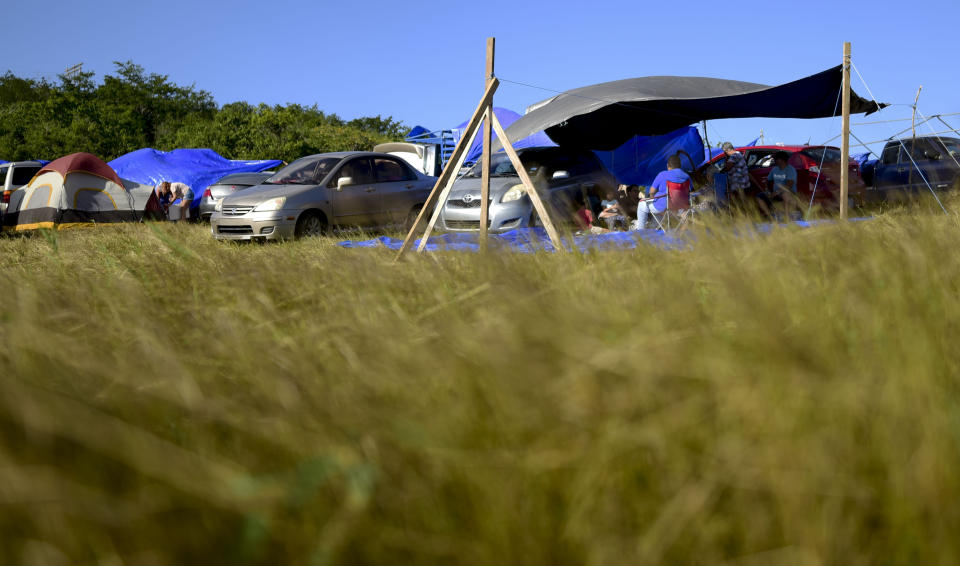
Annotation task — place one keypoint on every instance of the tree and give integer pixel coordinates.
(132, 109)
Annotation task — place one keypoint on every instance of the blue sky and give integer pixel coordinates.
(423, 63)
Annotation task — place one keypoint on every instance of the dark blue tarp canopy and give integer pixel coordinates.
(606, 115)
(198, 168)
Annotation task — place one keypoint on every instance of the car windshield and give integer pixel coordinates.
(303, 172)
(501, 166)
(817, 154)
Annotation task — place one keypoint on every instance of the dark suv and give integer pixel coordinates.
(561, 176)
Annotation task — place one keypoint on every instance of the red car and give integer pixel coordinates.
(807, 160)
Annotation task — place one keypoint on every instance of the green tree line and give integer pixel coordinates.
(131, 109)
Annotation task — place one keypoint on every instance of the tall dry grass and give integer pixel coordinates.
(781, 399)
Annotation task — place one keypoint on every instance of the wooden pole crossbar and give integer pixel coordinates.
(469, 136)
(459, 153)
(529, 186)
(441, 190)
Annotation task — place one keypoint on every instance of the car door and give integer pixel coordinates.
(891, 174)
(937, 165)
(397, 186)
(357, 203)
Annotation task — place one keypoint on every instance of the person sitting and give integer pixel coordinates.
(782, 183)
(611, 212)
(673, 184)
(583, 218)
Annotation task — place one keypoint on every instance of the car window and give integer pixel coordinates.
(825, 154)
(303, 171)
(765, 161)
(925, 150)
(757, 158)
(358, 170)
(22, 175)
(391, 170)
(891, 154)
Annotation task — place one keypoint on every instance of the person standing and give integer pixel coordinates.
(738, 178)
(782, 183)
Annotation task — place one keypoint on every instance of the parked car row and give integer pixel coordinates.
(377, 190)
(818, 172)
(319, 192)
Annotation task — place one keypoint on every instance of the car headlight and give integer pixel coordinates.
(272, 204)
(516, 192)
(219, 206)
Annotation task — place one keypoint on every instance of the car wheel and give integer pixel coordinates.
(310, 224)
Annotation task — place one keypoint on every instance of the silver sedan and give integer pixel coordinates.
(562, 176)
(321, 192)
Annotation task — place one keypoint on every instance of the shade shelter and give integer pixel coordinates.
(604, 116)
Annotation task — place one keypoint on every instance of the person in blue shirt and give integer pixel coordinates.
(656, 200)
(782, 183)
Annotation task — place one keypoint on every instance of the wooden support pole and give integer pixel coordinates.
(449, 170)
(445, 192)
(528, 185)
(845, 143)
(913, 121)
(485, 160)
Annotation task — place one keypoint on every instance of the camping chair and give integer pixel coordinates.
(678, 211)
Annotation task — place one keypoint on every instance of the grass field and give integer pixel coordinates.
(786, 399)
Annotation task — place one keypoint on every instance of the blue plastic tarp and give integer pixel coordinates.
(506, 117)
(638, 161)
(198, 168)
(532, 240)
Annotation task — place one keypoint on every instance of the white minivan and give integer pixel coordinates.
(15, 175)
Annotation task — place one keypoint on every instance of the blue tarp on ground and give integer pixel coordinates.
(198, 168)
(531, 240)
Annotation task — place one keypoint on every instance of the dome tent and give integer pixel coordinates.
(75, 190)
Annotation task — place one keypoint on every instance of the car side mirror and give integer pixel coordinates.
(344, 182)
(560, 175)
(931, 154)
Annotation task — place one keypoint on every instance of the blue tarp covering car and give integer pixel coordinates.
(198, 168)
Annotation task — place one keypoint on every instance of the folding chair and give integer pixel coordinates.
(678, 208)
